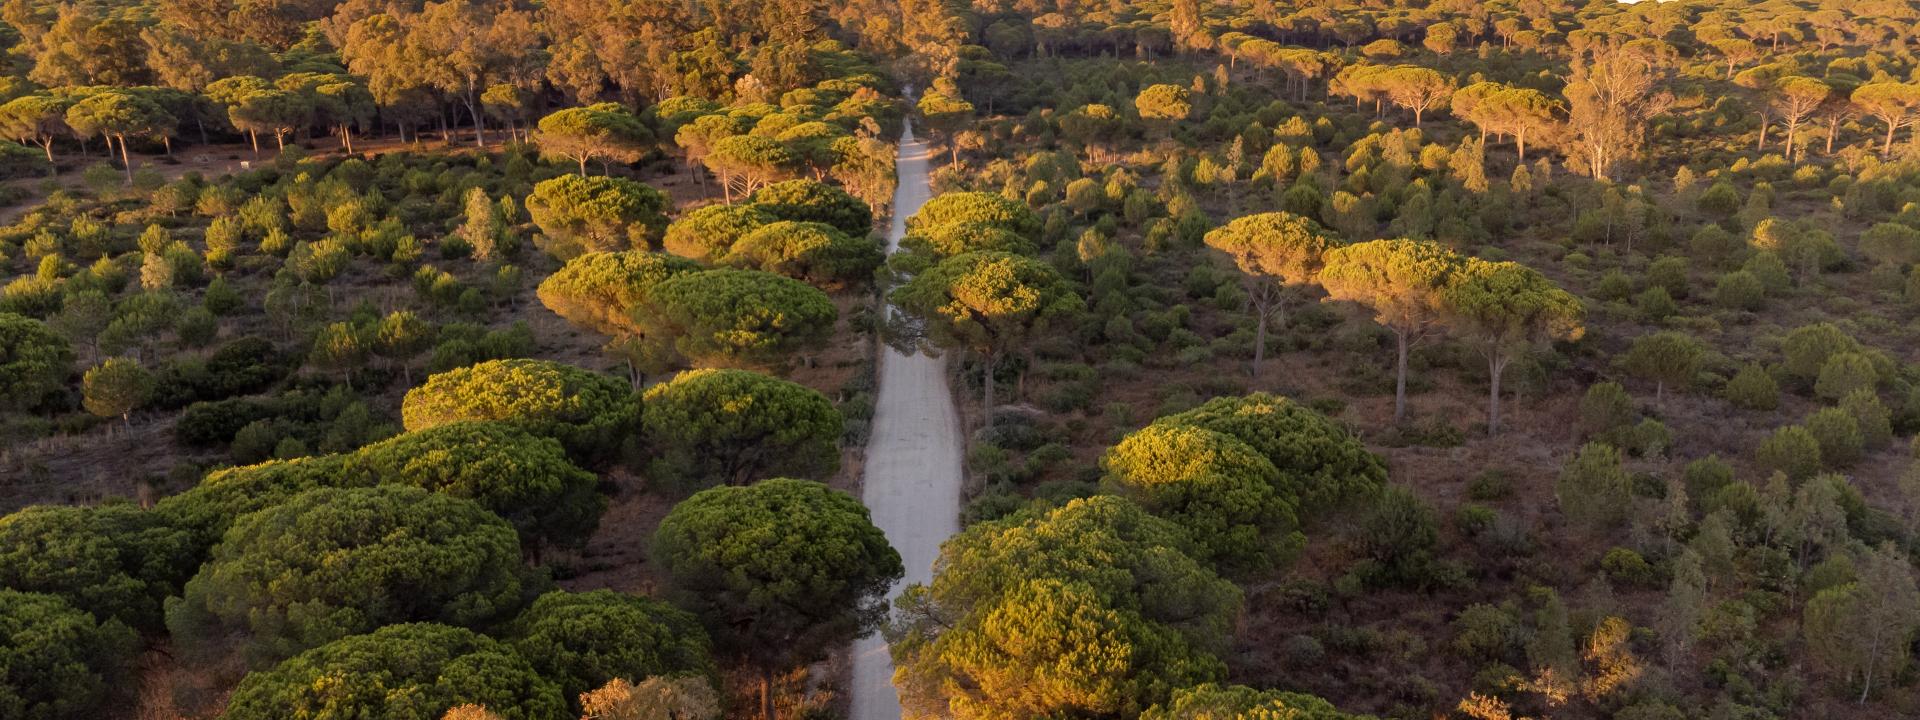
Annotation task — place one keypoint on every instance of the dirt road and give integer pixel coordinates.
(913, 458)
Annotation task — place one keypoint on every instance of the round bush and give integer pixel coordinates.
(115, 561)
(589, 413)
(416, 671)
(1320, 463)
(597, 214)
(525, 479)
(810, 251)
(708, 233)
(814, 201)
(207, 510)
(1210, 483)
(57, 661)
(976, 207)
(730, 317)
(333, 562)
(34, 361)
(735, 426)
(583, 640)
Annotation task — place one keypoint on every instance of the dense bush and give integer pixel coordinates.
(1321, 464)
(416, 671)
(1213, 485)
(34, 362)
(589, 413)
(333, 562)
(114, 561)
(57, 661)
(733, 427)
(812, 201)
(523, 478)
(582, 640)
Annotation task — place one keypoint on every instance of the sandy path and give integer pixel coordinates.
(913, 459)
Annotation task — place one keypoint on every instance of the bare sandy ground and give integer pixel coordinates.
(913, 474)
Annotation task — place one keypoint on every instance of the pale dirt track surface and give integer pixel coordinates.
(913, 459)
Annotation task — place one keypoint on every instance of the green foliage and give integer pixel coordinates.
(114, 561)
(810, 251)
(116, 387)
(1090, 608)
(733, 427)
(589, 413)
(1170, 103)
(813, 201)
(975, 208)
(709, 233)
(59, 662)
(34, 361)
(334, 562)
(955, 238)
(600, 290)
(781, 573)
(1606, 409)
(1666, 358)
(1792, 450)
(1224, 702)
(1753, 388)
(1593, 489)
(1321, 464)
(525, 479)
(1838, 434)
(209, 509)
(1809, 347)
(603, 132)
(414, 671)
(1398, 542)
(1216, 487)
(583, 640)
(731, 318)
(597, 214)
(1844, 373)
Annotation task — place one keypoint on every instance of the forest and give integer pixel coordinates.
(1319, 359)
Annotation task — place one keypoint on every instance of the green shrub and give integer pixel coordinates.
(1838, 435)
(1791, 450)
(60, 661)
(589, 413)
(420, 670)
(1753, 388)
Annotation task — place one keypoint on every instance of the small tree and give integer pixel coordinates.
(1164, 103)
(1861, 630)
(34, 361)
(589, 413)
(38, 119)
(597, 214)
(1506, 308)
(1892, 102)
(1593, 489)
(989, 303)
(605, 132)
(115, 115)
(601, 291)
(116, 388)
(1665, 358)
(1405, 282)
(1276, 252)
(401, 337)
(1217, 487)
(781, 572)
(745, 163)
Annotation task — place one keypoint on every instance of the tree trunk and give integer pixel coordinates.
(1496, 366)
(766, 694)
(1259, 340)
(1520, 138)
(986, 384)
(479, 125)
(1888, 147)
(124, 160)
(254, 135)
(583, 166)
(1400, 377)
